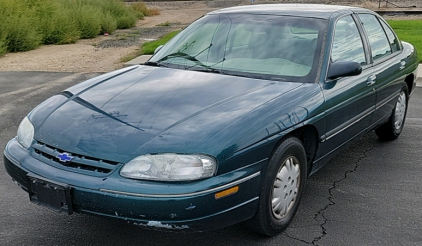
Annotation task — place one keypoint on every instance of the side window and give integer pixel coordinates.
(392, 39)
(380, 45)
(347, 45)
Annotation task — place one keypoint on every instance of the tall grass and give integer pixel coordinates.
(26, 24)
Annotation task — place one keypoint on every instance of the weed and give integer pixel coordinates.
(164, 24)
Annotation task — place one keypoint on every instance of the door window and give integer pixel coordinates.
(380, 46)
(347, 45)
(392, 38)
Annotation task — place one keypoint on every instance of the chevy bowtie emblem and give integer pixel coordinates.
(63, 157)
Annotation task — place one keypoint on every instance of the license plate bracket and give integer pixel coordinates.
(50, 194)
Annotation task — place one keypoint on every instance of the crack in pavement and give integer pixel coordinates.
(297, 239)
(320, 213)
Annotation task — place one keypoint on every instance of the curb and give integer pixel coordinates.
(137, 61)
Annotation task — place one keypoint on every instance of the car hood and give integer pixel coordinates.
(148, 110)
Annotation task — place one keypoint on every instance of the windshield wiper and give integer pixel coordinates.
(208, 68)
(155, 64)
(178, 55)
(187, 57)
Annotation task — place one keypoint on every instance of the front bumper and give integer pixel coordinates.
(156, 205)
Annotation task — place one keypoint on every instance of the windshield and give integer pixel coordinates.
(281, 48)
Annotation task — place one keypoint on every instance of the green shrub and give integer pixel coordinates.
(141, 10)
(89, 20)
(126, 21)
(66, 31)
(18, 26)
(56, 23)
(3, 32)
(124, 16)
(108, 23)
(3, 42)
(22, 34)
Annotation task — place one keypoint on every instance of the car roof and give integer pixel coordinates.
(305, 10)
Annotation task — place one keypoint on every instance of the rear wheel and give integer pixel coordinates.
(282, 188)
(392, 129)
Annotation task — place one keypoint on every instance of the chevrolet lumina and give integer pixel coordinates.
(223, 124)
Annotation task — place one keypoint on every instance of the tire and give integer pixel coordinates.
(394, 126)
(281, 189)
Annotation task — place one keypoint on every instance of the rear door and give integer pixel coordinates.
(388, 67)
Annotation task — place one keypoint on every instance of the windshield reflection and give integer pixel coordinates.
(281, 48)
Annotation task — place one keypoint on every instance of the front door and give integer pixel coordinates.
(350, 100)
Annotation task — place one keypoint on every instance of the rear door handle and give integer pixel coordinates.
(371, 80)
(402, 65)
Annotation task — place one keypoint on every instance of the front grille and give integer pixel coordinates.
(80, 163)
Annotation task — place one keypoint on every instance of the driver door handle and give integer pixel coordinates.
(371, 80)
(402, 65)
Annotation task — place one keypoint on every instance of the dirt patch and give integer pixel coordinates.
(104, 53)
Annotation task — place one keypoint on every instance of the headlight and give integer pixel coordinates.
(25, 133)
(169, 167)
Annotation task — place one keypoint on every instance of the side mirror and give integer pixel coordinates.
(158, 49)
(343, 69)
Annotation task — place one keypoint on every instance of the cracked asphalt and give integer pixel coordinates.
(371, 194)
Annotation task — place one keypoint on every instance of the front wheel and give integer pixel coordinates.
(392, 129)
(282, 188)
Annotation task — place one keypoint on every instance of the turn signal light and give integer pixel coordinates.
(227, 192)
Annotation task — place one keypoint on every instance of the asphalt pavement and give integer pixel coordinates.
(371, 194)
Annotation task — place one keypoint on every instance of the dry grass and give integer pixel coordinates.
(152, 12)
(142, 10)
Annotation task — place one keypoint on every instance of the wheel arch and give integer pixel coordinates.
(309, 136)
(409, 82)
